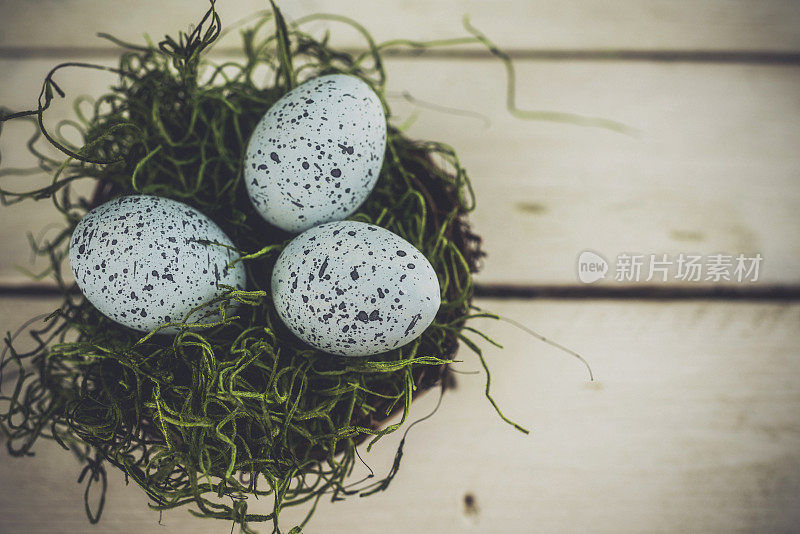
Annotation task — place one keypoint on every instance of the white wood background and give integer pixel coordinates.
(693, 423)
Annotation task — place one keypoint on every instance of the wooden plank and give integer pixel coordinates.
(713, 169)
(691, 426)
(572, 24)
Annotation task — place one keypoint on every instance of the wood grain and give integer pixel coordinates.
(713, 168)
(691, 426)
(767, 25)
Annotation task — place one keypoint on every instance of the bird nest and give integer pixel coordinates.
(214, 414)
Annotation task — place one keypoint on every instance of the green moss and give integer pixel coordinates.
(241, 408)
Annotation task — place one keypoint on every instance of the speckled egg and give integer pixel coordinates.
(354, 289)
(315, 155)
(142, 261)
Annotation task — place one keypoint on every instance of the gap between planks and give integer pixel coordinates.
(643, 292)
(746, 57)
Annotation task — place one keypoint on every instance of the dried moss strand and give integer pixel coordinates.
(554, 116)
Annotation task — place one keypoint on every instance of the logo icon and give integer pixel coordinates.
(591, 267)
